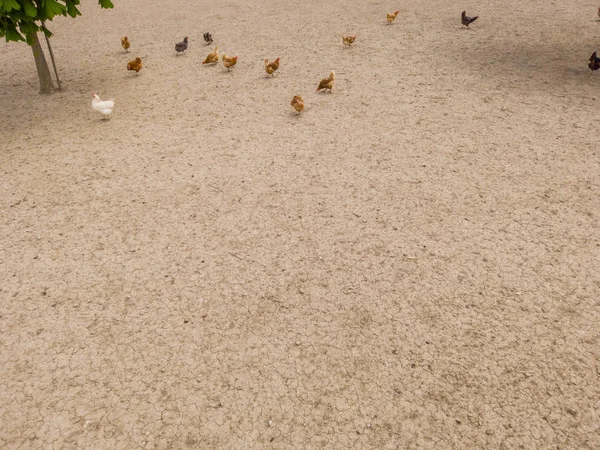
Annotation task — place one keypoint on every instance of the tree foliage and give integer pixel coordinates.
(20, 20)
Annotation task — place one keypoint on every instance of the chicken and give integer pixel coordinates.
(182, 46)
(466, 20)
(594, 62)
(135, 64)
(391, 17)
(103, 107)
(213, 57)
(599, 13)
(327, 83)
(125, 43)
(298, 103)
(348, 40)
(271, 67)
(208, 38)
(229, 62)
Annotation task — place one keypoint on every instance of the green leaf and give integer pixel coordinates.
(49, 9)
(28, 29)
(72, 10)
(9, 5)
(29, 8)
(20, 19)
(53, 8)
(12, 34)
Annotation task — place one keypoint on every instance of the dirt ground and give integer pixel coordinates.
(412, 263)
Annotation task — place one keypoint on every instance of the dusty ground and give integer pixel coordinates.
(412, 263)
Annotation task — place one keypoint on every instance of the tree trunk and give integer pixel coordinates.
(52, 57)
(46, 84)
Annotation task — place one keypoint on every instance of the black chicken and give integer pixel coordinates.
(208, 38)
(182, 46)
(594, 62)
(466, 20)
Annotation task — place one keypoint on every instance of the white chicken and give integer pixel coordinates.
(103, 107)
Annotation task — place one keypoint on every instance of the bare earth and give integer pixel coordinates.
(412, 263)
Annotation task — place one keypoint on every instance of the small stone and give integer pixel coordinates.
(571, 411)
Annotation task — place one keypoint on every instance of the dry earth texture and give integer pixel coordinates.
(411, 263)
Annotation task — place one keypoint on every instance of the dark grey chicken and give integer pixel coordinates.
(594, 62)
(466, 20)
(182, 46)
(208, 38)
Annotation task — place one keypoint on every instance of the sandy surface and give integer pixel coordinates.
(412, 263)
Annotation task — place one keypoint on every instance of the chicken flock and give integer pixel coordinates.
(105, 108)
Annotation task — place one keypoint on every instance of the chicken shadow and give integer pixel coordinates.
(550, 63)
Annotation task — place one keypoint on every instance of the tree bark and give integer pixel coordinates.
(43, 71)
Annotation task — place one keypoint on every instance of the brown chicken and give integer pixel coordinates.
(466, 20)
(327, 83)
(135, 64)
(298, 103)
(271, 67)
(348, 40)
(213, 57)
(125, 43)
(391, 17)
(594, 62)
(229, 62)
